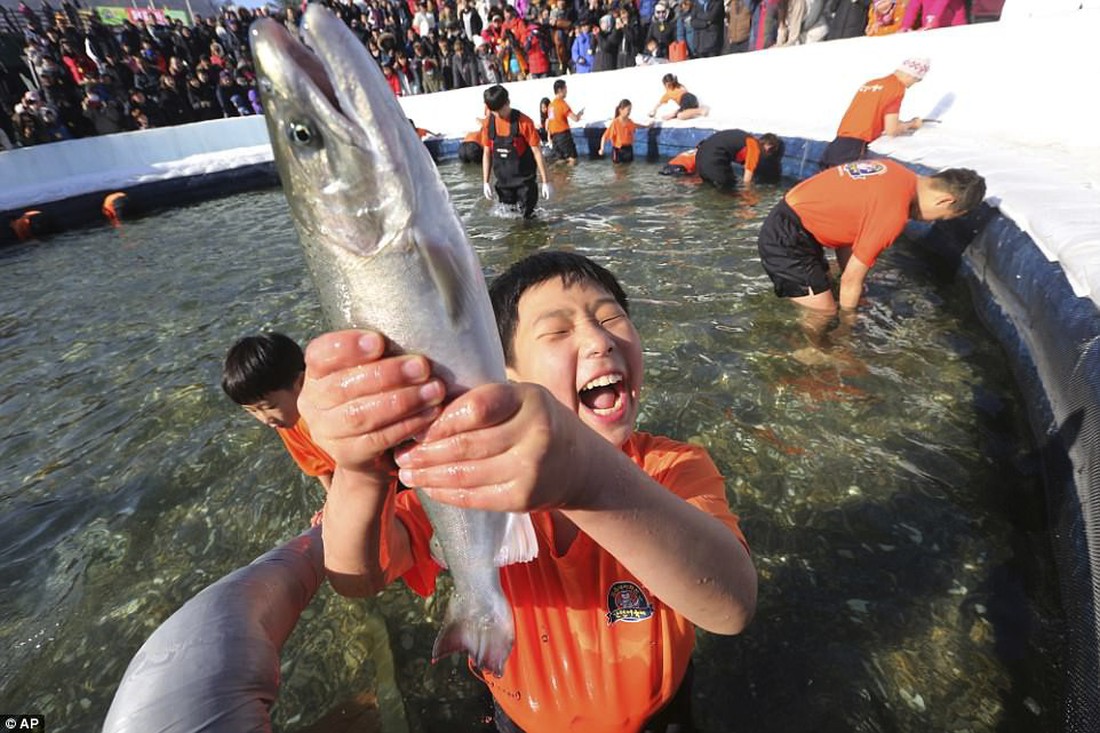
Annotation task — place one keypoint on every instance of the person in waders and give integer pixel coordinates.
(510, 143)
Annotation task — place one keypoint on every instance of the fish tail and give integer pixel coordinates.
(485, 633)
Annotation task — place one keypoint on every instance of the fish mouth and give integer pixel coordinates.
(307, 68)
(604, 396)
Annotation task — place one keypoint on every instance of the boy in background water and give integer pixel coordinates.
(264, 374)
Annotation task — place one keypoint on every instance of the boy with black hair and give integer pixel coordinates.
(511, 153)
(264, 374)
(637, 544)
(557, 124)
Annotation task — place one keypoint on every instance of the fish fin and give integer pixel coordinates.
(485, 633)
(520, 543)
(435, 547)
(443, 269)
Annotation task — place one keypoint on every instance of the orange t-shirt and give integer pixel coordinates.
(864, 204)
(749, 156)
(504, 128)
(621, 132)
(595, 651)
(866, 115)
(310, 458)
(675, 95)
(686, 160)
(558, 118)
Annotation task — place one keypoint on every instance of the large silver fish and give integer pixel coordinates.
(387, 251)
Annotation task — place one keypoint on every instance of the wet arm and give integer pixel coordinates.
(689, 559)
(355, 513)
(851, 282)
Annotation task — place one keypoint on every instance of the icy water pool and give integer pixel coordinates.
(891, 499)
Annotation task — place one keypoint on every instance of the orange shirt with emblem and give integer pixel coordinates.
(621, 132)
(310, 458)
(866, 115)
(525, 124)
(558, 118)
(595, 651)
(864, 205)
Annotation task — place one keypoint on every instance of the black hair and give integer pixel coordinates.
(965, 185)
(670, 79)
(621, 106)
(258, 365)
(507, 289)
(495, 97)
(771, 140)
(559, 84)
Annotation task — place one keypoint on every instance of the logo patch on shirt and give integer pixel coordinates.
(627, 602)
(860, 169)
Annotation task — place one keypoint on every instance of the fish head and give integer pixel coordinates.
(345, 151)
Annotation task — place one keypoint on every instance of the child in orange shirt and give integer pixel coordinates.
(627, 523)
(620, 133)
(264, 374)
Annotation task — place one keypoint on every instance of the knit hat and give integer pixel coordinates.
(915, 67)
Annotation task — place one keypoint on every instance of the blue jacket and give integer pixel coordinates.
(584, 53)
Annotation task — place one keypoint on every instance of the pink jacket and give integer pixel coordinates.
(934, 14)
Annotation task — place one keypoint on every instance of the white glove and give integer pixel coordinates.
(546, 190)
(487, 191)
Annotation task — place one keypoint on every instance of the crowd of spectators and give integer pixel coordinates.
(95, 79)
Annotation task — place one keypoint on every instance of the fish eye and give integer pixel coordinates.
(301, 133)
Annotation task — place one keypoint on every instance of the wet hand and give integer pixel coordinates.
(359, 403)
(487, 191)
(500, 447)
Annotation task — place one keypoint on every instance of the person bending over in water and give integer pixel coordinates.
(637, 544)
(264, 374)
(857, 210)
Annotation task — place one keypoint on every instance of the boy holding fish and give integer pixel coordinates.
(636, 542)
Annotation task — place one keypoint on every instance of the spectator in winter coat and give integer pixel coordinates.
(105, 116)
(846, 18)
(465, 70)
(609, 38)
(765, 25)
(884, 17)
(584, 48)
(927, 14)
(708, 19)
(661, 29)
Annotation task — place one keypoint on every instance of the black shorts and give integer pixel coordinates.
(564, 146)
(793, 259)
(843, 150)
(625, 154)
(524, 197)
(674, 717)
(689, 101)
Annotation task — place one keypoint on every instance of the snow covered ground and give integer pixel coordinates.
(1014, 100)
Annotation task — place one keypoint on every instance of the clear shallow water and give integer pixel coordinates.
(890, 498)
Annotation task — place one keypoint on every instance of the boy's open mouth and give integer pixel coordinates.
(603, 395)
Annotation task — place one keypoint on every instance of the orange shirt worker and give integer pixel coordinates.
(857, 210)
(511, 154)
(875, 110)
(627, 523)
(558, 117)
